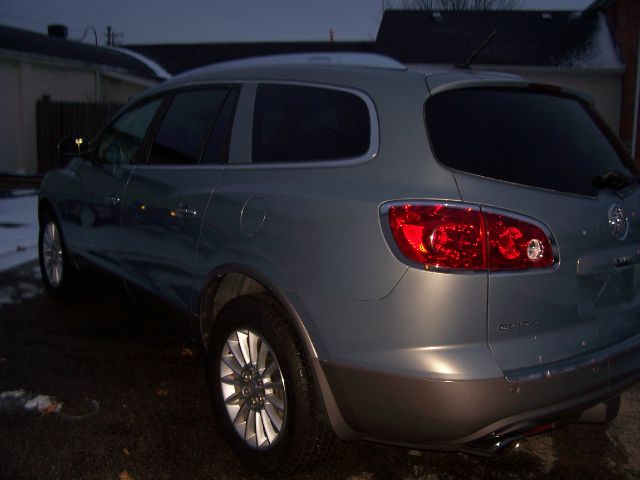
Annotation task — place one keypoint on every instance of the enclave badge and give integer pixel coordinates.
(618, 222)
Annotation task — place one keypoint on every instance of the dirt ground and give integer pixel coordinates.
(154, 419)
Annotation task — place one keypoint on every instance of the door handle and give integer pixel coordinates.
(185, 212)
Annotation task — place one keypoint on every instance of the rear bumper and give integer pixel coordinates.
(456, 415)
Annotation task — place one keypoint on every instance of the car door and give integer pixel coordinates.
(103, 179)
(167, 196)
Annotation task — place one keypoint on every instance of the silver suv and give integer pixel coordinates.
(443, 260)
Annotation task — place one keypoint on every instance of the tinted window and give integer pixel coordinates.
(185, 126)
(526, 137)
(122, 140)
(295, 123)
(217, 149)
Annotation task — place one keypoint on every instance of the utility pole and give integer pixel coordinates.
(108, 34)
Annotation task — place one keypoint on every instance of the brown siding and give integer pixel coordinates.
(624, 16)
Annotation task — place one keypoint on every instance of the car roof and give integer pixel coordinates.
(328, 66)
(357, 70)
(294, 67)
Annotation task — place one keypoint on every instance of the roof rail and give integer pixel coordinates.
(343, 59)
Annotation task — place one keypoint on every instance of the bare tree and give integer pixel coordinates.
(457, 4)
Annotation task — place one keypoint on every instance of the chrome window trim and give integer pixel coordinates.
(240, 147)
(245, 125)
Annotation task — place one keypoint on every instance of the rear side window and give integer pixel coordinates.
(185, 126)
(526, 137)
(298, 124)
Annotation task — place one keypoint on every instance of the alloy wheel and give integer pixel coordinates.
(52, 254)
(253, 389)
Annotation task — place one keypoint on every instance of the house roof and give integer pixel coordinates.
(580, 40)
(24, 41)
(177, 58)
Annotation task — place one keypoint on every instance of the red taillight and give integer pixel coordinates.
(440, 236)
(466, 238)
(515, 244)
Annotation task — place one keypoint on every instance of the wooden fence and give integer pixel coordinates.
(56, 120)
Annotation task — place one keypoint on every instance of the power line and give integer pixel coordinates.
(86, 30)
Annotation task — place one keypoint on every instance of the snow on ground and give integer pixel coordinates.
(600, 52)
(18, 229)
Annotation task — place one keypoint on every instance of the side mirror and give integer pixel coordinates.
(74, 145)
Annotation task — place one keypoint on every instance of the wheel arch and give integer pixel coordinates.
(46, 205)
(230, 281)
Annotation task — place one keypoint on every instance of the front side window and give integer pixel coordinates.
(122, 140)
(295, 123)
(186, 126)
(217, 148)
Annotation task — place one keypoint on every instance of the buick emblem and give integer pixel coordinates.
(618, 222)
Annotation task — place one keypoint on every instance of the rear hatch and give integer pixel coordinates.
(546, 154)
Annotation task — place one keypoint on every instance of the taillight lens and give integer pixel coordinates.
(515, 244)
(466, 238)
(440, 236)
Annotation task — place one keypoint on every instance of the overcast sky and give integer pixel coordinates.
(191, 21)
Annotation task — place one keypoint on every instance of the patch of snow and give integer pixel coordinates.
(6, 295)
(21, 192)
(26, 289)
(13, 394)
(18, 230)
(599, 53)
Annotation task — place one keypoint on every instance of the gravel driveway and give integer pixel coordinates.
(154, 419)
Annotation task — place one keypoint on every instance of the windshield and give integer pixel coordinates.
(528, 137)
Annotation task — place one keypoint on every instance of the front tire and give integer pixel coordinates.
(59, 274)
(261, 388)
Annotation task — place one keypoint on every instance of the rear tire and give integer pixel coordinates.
(59, 275)
(262, 390)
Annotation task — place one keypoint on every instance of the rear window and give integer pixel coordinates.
(526, 137)
(295, 123)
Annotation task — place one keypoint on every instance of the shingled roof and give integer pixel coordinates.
(556, 39)
(17, 40)
(176, 58)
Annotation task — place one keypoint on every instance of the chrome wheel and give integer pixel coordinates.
(52, 254)
(253, 389)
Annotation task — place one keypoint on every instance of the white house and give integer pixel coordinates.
(33, 65)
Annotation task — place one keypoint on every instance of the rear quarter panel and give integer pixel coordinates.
(321, 233)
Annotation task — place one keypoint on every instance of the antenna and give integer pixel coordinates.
(479, 50)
